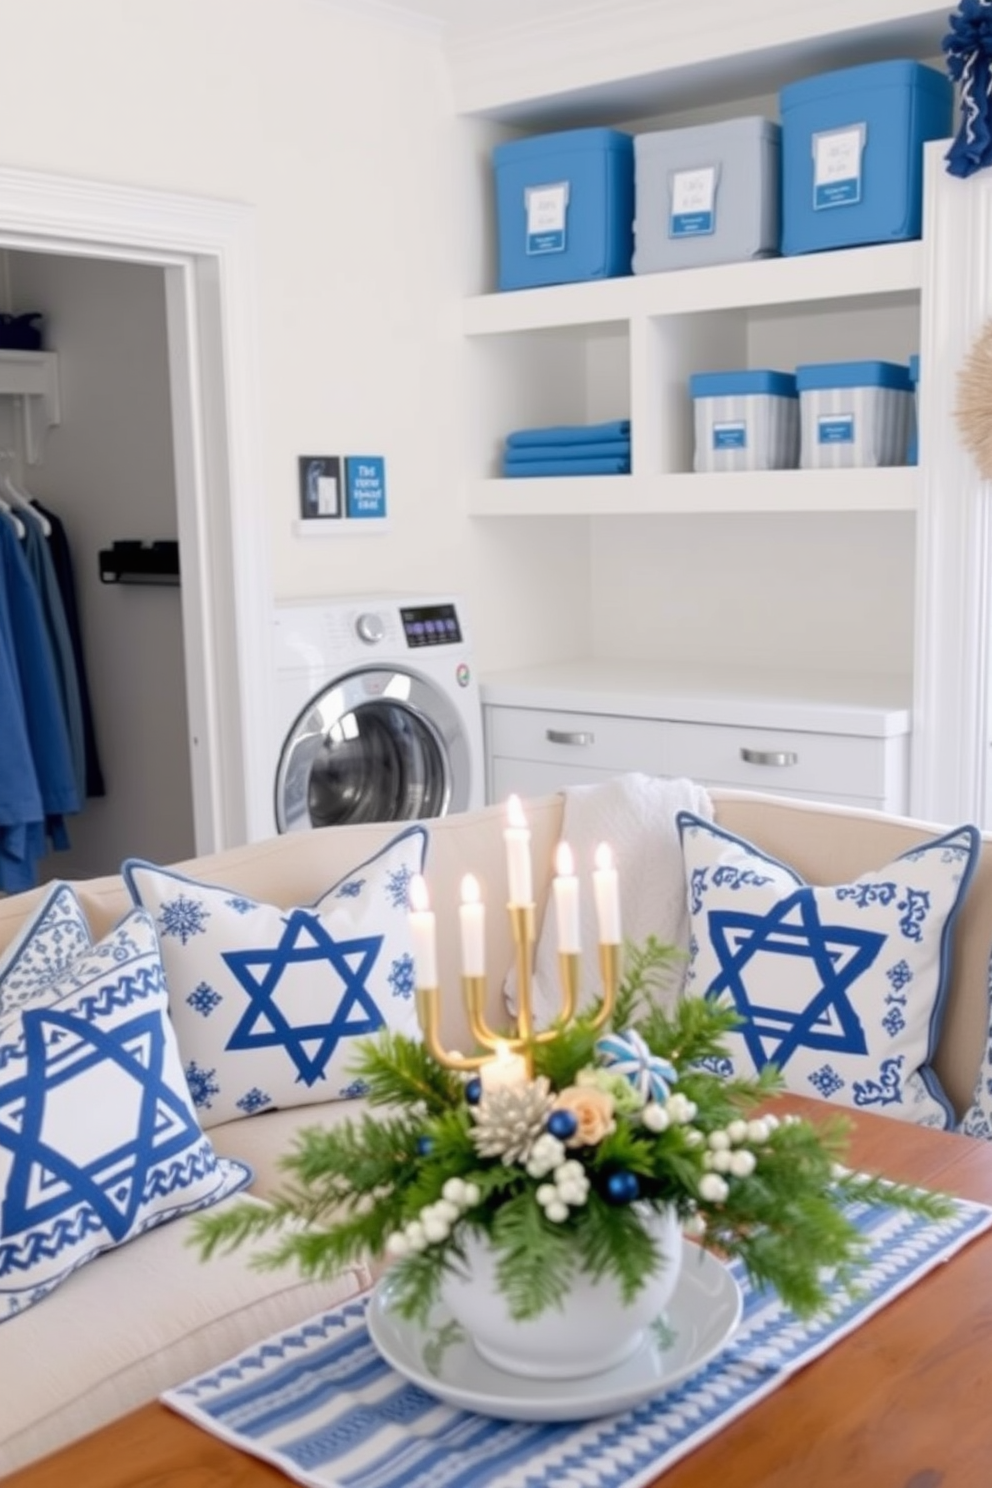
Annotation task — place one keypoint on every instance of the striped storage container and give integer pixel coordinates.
(854, 413)
(745, 420)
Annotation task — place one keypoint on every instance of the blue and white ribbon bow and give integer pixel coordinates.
(968, 48)
(627, 1054)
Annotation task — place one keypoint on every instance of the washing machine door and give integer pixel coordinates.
(379, 744)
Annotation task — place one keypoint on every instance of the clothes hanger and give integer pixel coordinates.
(13, 518)
(18, 498)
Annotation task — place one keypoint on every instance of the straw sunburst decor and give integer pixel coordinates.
(974, 404)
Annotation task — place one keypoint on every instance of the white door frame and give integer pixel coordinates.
(207, 251)
(952, 711)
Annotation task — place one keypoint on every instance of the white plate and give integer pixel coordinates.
(699, 1320)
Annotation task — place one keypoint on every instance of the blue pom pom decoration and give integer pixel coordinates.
(562, 1124)
(425, 1145)
(627, 1054)
(622, 1187)
(473, 1090)
(968, 49)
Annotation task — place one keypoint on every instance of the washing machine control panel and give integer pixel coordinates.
(370, 628)
(430, 625)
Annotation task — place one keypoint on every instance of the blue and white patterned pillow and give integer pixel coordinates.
(99, 1140)
(267, 1002)
(841, 987)
(977, 1120)
(53, 936)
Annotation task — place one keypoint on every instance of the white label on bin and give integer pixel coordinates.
(693, 211)
(730, 436)
(547, 207)
(835, 428)
(837, 166)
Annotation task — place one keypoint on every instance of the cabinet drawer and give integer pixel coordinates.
(590, 741)
(784, 760)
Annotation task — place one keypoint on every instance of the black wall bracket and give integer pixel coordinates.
(140, 563)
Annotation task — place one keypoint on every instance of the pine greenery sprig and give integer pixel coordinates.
(352, 1188)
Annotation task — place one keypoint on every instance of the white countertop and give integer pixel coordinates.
(825, 702)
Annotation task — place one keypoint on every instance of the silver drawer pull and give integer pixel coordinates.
(559, 736)
(770, 757)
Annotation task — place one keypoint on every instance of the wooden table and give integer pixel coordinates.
(904, 1402)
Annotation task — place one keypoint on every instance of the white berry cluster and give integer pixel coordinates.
(677, 1110)
(727, 1155)
(569, 1189)
(545, 1155)
(434, 1222)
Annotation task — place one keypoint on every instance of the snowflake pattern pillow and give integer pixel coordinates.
(841, 988)
(99, 1140)
(267, 1002)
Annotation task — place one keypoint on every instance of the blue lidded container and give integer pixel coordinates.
(745, 420)
(854, 413)
(852, 153)
(564, 207)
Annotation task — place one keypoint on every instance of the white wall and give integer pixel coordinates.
(107, 472)
(340, 132)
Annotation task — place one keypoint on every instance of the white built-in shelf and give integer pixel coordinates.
(848, 274)
(32, 376)
(889, 489)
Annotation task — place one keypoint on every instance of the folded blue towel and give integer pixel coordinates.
(617, 448)
(575, 466)
(571, 433)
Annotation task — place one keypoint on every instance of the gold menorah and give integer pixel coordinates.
(521, 1036)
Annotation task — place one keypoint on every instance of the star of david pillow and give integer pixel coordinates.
(53, 936)
(99, 1140)
(267, 1002)
(842, 988)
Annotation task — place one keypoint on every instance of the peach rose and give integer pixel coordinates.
(592, 1109)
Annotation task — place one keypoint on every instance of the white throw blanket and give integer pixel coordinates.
(635, 814)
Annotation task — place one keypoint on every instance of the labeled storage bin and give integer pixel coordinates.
(708, 194)
(745, 420)
(854, 413)
(852, 153)
(564, 207)
(913, 448)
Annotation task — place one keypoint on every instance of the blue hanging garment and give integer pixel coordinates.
(968, 48)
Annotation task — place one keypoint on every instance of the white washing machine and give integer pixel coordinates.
(379, 709)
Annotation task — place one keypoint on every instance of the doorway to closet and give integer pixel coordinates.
(179, 676)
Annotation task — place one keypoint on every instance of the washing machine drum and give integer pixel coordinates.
(376, 745)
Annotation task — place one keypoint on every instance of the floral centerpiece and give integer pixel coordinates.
(564, 1158)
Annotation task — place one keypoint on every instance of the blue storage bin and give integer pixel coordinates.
(564, 207)
(853, 413)
(852, 153)
(913, 448)
(747, 420)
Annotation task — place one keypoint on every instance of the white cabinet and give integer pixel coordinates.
(550, 727)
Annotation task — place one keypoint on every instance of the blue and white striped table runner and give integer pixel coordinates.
(320, 1403)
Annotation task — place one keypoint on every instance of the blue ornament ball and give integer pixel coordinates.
(473, 1090)
(622, 1188)
(563, 1124)
(425, 1145)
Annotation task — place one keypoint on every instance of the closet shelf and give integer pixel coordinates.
(33, 376)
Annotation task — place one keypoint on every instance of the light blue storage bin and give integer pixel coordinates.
(747, 420)
(853, 413)
(707, 194)
(913, 448)
(852, 153)
(564, 207)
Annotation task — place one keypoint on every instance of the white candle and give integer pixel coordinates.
(606, 890)
(505, 1071)
(472, 914)
(517, 839)
(566, 890)
(423, 935)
